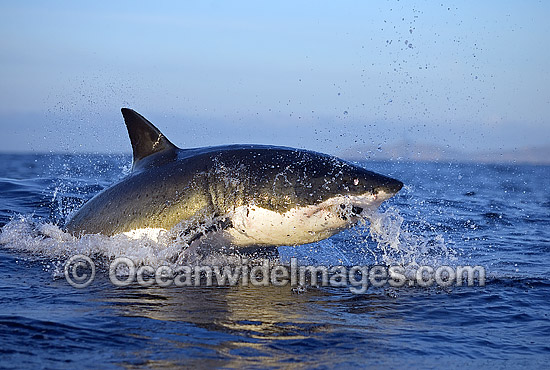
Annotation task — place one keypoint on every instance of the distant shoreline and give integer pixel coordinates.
(421, 152)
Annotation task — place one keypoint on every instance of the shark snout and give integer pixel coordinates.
(390, 187)
(381, 189)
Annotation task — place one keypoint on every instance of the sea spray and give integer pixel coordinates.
(398, 244)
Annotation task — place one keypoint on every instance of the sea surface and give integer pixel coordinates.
(493, 216)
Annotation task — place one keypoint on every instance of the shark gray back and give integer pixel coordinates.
(260, 195)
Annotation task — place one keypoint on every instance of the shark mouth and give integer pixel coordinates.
(349, 211)
(354, 207)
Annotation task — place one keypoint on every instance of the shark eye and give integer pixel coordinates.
(355, 181)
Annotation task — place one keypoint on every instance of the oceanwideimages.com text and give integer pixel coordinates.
(80, 273)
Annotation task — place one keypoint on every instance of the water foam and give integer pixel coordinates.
(145, 247)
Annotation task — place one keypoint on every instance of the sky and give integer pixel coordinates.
(326, 76)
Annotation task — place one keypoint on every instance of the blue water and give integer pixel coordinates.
(496, 216)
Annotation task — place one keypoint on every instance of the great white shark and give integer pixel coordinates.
(260, 195)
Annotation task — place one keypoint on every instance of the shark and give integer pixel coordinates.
(253, 195)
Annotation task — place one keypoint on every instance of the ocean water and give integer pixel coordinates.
(493, 216)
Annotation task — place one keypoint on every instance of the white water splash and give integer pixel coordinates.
(396, 244)
(46, 240)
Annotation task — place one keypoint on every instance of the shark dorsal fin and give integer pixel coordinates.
(147, 141)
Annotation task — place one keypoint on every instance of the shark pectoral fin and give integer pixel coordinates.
(199, 231)
(146, 139)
